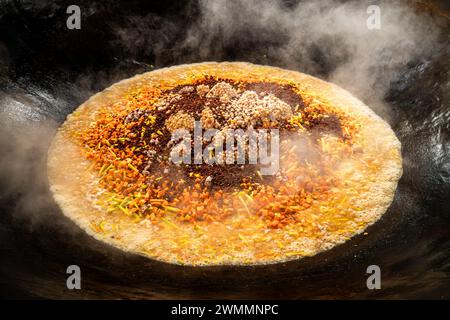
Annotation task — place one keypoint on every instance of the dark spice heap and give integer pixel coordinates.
(131, 152)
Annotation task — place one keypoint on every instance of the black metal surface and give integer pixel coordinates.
(47, 70)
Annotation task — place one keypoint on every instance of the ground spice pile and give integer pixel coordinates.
(130, 152)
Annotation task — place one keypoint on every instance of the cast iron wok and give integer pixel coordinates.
(47, 71)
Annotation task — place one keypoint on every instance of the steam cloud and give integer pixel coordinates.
(328, 39)
(321, 38)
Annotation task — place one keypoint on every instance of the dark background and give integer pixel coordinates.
(46, 71)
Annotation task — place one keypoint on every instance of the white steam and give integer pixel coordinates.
(324, 38)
